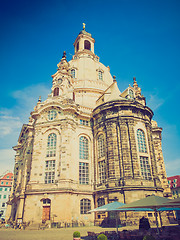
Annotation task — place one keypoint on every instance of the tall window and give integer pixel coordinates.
(52, 114)
(51, 145)
(101, 146)
(100, 75)
(87, 45)
(100, 202)
(73, 73)
(49, 171)
(83, 148)
(85, 206)
(56, 92)
(131, 94)
(145, 168)
(77, 48)
(102, 171)
(141, 141)
(83, 173)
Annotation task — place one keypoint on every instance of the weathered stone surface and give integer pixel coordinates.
(87, 104)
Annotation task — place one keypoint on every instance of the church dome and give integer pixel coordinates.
(88, 73)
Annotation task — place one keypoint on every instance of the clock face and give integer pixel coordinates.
(52, 114)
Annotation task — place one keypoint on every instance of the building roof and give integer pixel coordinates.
(174, 181)
(6, 180)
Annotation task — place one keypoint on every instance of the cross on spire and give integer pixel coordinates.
(84, 25)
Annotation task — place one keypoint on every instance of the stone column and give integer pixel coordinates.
(133, 149)
(125, 148)
(110, 154)
(152, 156)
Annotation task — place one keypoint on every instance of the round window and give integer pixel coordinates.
(52, 115)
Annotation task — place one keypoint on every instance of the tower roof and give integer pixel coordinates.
(84, 31)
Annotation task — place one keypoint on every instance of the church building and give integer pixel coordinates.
(86, 145)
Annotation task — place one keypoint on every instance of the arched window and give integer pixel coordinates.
(73, 73)
(77, 47)
(87, 45)
(85, 206)
(46, 201)
(83, 148)
(141, 141)
(56, 92)
(51, 145)
(100, 75)
(100, 202)
(131, 94)
(101, 146)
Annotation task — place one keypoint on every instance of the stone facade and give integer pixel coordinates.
(85, 145)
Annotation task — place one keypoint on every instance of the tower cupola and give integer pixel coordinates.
(84, 42)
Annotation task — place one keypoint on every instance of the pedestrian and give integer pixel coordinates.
(144, 223)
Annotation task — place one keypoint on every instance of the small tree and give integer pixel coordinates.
(76, 235)
(102, 237)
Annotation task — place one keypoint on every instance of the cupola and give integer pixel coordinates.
(84, 42)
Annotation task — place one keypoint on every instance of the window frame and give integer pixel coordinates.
(100, 75)
(49, 173)
(73, 73)
(52, 114)
(102, 171)
(85, 206)
(141, 141)
(87, 45)
(83, 173)
(101, 146)
(145, 168)
(100, 202)
(51, 145)
(83, 148)
(131, 94)
(56, 92)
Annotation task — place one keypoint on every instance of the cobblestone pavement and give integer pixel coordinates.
(51, 234)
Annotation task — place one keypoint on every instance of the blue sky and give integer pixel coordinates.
(138, 38)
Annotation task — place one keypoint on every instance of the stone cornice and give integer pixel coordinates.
(57, 190)
(128, 188)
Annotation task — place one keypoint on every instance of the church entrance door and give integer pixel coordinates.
(46, 213)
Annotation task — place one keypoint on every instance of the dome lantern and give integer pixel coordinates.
(84, 41)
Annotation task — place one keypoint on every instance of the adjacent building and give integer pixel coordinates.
(174, 185)
(85, 145)
(5, 190)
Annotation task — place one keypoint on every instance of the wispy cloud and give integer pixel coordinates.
(27, 98)
(154, 101)
(12, 119)
(6, 160)
(8, 123)
(173, 167)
